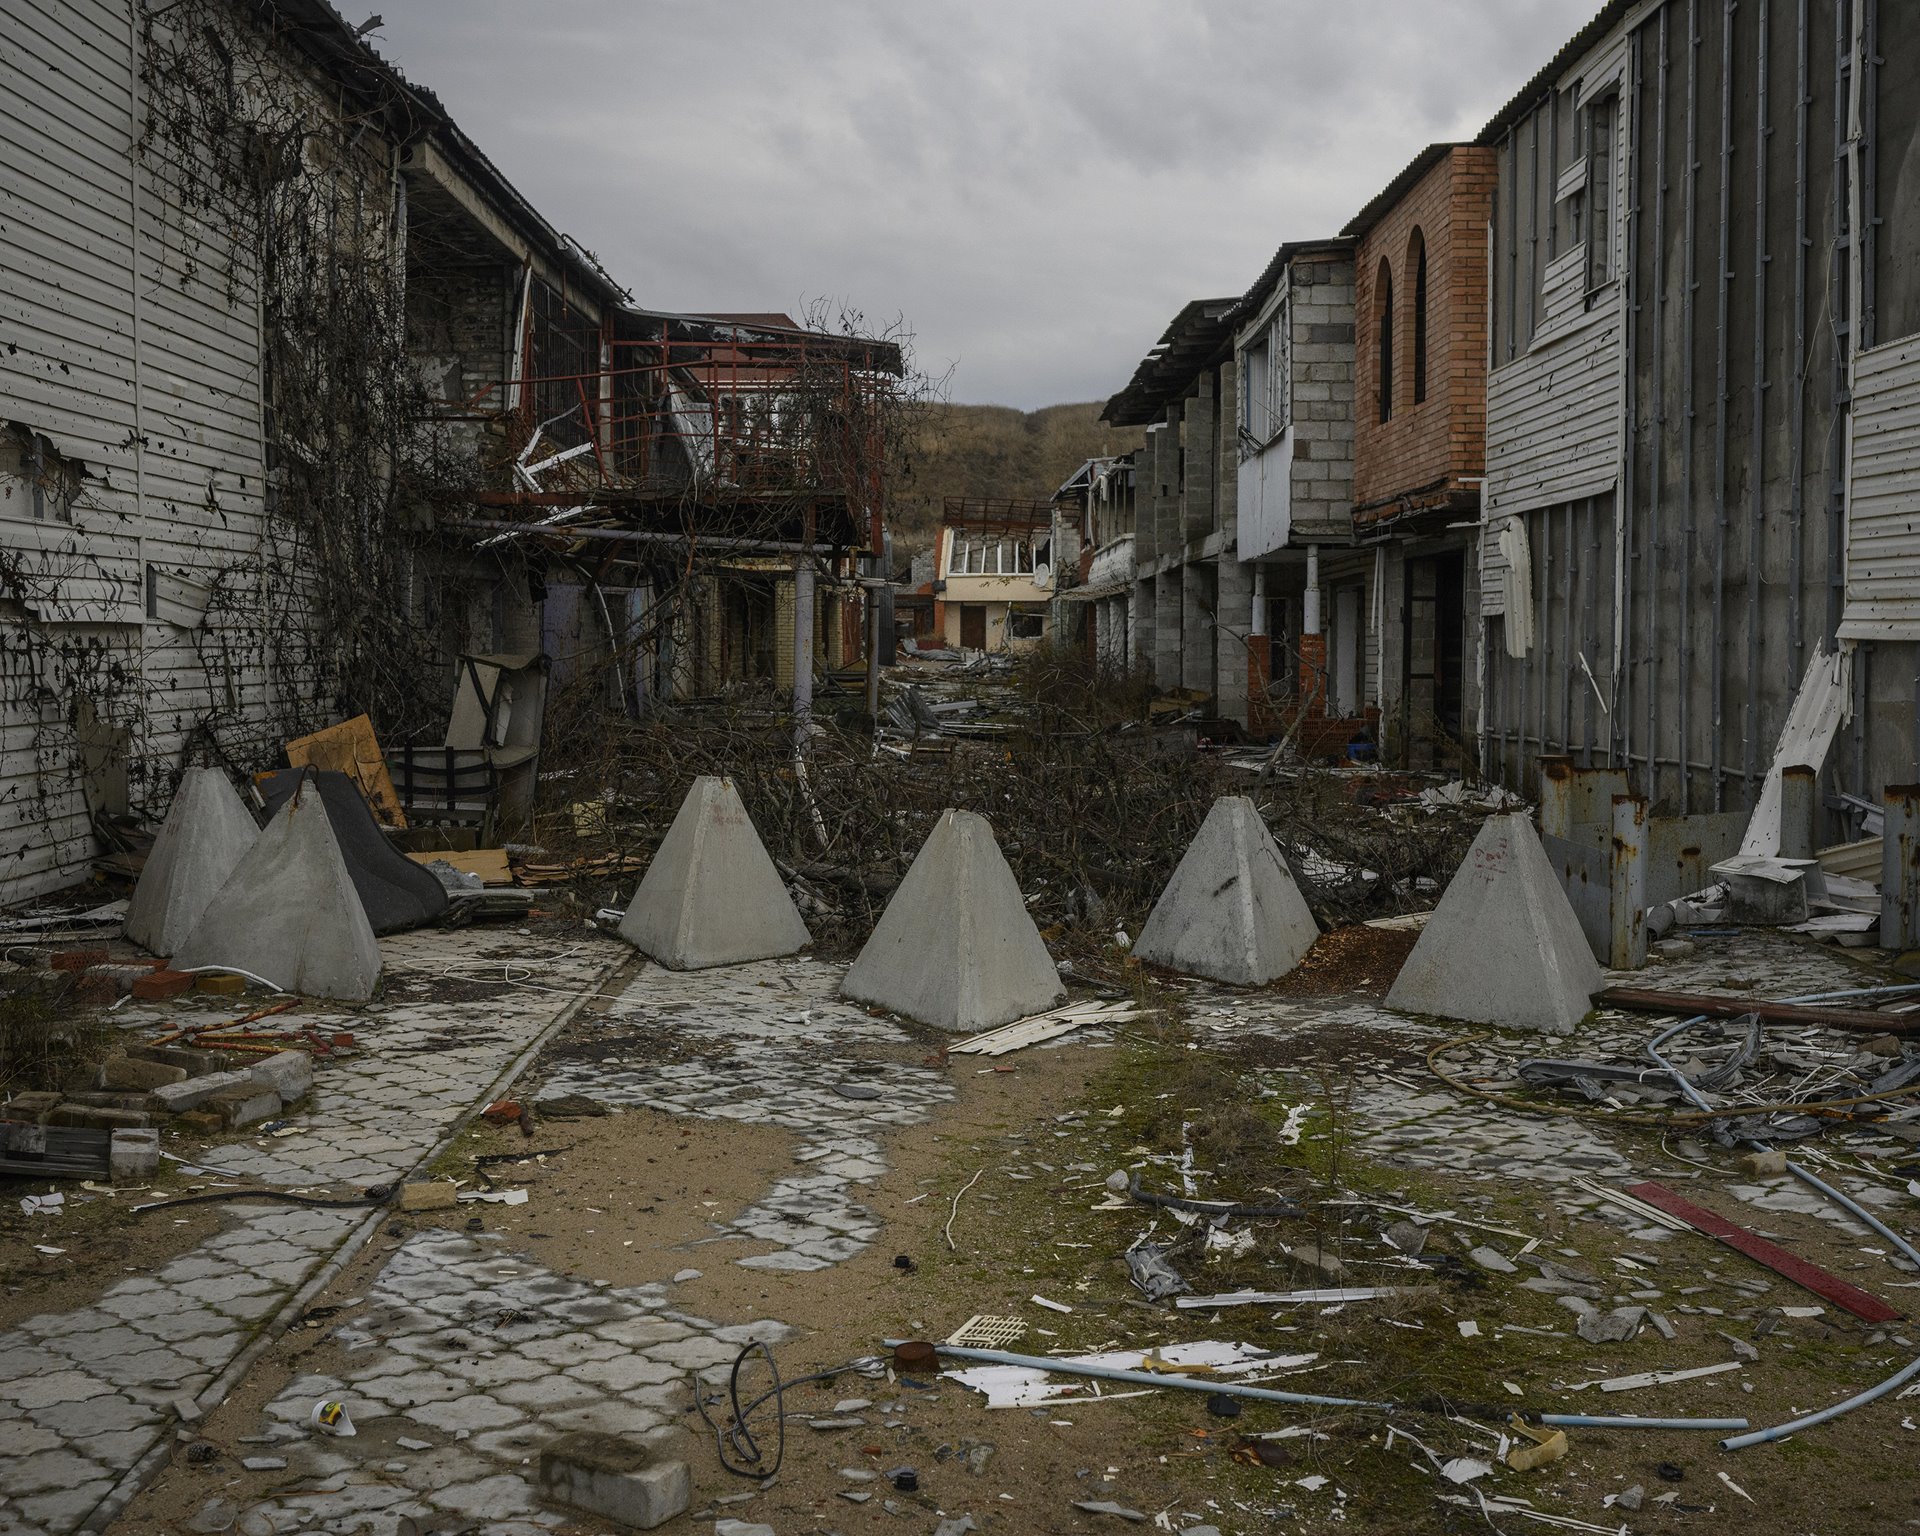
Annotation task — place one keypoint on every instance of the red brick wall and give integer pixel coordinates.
(1445, 436)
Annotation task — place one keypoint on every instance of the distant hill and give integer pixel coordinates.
(994, 450)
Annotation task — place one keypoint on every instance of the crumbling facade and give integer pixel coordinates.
(287, 367)
(1698, 404)
(1190, 592)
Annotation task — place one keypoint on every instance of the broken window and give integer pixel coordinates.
(1601, 119)
(37, 481)
(1264, 394)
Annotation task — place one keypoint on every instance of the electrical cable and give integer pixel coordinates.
(735, 1436)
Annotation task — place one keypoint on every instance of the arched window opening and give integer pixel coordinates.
(1417, 256)
(1383, 323)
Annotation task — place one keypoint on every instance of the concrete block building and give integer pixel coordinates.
(1191, 596)
(1312, 616)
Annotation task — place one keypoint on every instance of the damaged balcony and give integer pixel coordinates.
(748, 430)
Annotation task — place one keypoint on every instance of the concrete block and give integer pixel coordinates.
(221, 985)
(1231, 912)
(638, 1483)
(206, 834)
(1503, 947)
(94, 987)
(289, 912)
(134, 1155)
(174, 1098)
(243, 1104)
(288, 1073)
(956, 947)
(431, 1195)
(191, 1061)
(96, 1117)
(157, 986)
(131, 1073)
(29, 1107)
(711, 896)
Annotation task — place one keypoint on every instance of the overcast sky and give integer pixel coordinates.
(1033, 186)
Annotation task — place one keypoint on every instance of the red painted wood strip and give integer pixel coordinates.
(1829, 1287)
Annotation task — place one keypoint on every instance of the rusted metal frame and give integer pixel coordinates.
(1722, 529)
(1656, 451)
(1796, 489)
(1689, 415)
(1627, 884)
(1756, 478)
(1900, 867)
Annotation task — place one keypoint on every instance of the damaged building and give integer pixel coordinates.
(286, 367)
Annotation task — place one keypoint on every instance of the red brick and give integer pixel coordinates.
(162, 984)
(80, 959)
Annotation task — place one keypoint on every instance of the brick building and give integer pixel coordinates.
(1419, 451)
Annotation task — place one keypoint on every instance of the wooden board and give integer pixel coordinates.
(490, 864)
(351, 748)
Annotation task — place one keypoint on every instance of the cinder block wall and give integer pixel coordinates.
(1443, 437)
(1323, 394)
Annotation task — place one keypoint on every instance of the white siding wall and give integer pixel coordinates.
(1883, 496)
(121, 343)
(1554, 414)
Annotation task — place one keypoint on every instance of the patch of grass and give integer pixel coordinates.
(44, 1040)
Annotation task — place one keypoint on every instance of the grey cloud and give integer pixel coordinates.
(1035, 185)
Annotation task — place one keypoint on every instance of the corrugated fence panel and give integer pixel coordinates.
(1883, 496)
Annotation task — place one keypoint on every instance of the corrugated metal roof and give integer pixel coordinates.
(1192, 340)
(1383, 200)
(1543, 79)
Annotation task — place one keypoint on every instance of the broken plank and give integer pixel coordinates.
(1720, 1005)
(1809, 1276)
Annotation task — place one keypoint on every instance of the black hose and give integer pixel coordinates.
(1208, 1207)
(379, 1194)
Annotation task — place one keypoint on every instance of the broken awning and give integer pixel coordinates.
(1090, 594)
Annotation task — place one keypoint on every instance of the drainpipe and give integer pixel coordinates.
(1310, 605)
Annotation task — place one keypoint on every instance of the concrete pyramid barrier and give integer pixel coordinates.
(956, 947)
(1231, 912)
(289, 913)
(711, 896)
(207, 832)
(1503, 947)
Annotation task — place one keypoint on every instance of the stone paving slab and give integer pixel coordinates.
(482, 1356)
(85, 1394)
(774, 1041)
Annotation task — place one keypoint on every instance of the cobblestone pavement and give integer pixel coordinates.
(464, 1362)
(84, 1394)
(773, 1045)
